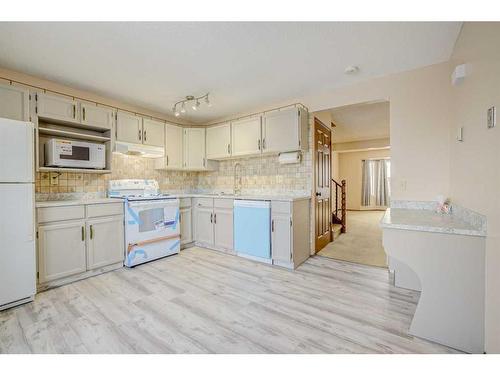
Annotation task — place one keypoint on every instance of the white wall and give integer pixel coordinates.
(420, 115)
(350, 169)
(475, 162)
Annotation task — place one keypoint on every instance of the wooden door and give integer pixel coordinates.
(322, 143)
(246, 136)
(219, 141)
(105, 242)
(153, 133)
(128, 127)
(61, 250)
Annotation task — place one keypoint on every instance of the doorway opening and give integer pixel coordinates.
(361, 161)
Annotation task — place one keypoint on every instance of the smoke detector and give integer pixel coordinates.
(351, 69)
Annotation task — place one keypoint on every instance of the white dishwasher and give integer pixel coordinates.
(252, 229)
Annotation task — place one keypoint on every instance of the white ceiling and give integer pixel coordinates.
(360, 122)
(245, 66)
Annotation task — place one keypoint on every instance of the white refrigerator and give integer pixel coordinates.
(17, 213)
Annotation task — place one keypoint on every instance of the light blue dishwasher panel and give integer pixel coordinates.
(252, 228)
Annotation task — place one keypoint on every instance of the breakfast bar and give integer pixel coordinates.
(443, 256)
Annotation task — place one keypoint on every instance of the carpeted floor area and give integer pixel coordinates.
(363, 241)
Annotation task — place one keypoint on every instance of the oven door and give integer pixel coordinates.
(152, 230)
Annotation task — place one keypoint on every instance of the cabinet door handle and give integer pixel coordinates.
(258, 144)
(215, 218)
(83, 113)
(272, 225)
(83, 233)
(229, 149)
(140, 135)
(145, 135)
(74, 111)
(264, 144)
(167, 160)
(91, 232)
(211, 218)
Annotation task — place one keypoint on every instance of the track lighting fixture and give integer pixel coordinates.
(190, 99)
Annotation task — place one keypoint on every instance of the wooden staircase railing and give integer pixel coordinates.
(339, 208)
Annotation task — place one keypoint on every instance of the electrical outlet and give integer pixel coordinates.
(54, 178)
(492, 117)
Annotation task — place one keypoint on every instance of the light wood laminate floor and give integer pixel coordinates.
(202, 301)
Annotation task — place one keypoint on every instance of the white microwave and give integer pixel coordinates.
(74, 154)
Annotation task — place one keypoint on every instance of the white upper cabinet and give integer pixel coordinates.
(14, 102)
(173, 147)
(100, 117)
(153, 132)
(194, 149)
(57, 107)
(284, 130)
(246, 136)
(128, 127)
(219, 141)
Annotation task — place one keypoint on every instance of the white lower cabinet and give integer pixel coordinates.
(105, 242)
(78, 241)
(290, 232)
(281, 237)
(223, 224)
(214, 223)
(186, 221)
(204, 222)
(61, 250)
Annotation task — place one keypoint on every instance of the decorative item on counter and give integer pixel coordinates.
(443, 205)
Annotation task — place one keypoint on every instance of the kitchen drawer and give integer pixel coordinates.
(281, 207)
(184, 202)
(204, 202)
(223, 203)
(48, 214)
(104, 209)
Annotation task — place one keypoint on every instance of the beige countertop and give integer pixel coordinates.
(428, 221)
(280, 198)
(76, 202)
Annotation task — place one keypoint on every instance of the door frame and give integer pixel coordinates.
(326, 129)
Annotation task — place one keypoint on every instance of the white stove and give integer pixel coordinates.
(152, 227)
(135, 189)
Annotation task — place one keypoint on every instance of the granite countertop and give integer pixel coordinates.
(428, 221)
(97, 200)
(76, 202)
(281, 198)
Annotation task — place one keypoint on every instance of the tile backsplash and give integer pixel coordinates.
(259, 175)
(123, 166)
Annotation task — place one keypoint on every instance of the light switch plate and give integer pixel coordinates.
(492, 117)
